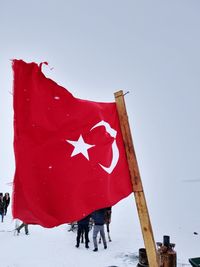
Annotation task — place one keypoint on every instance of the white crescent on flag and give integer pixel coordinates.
(115, 149)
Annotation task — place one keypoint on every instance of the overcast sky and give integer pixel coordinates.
(94, 48)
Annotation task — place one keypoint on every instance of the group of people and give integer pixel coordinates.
(98, 218)
(4, 203)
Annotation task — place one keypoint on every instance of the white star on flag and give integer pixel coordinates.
(80, 147)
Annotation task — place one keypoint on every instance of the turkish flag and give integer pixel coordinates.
(69, 153)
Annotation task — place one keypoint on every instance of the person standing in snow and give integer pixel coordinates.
(83, 228)
(1, 207)
(99, 219)
(107, 219)
(25, 225)
(6, 200)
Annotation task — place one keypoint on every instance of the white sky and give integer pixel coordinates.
(150, 48)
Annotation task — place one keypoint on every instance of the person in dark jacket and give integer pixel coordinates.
(1, 207)
(83, 228)
(6, 200)
(99, 220)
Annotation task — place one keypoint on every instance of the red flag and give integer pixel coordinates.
(69, 153)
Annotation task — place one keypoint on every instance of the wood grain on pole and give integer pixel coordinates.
(142, 209)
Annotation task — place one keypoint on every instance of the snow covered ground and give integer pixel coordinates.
(94, 48)
(56, 247)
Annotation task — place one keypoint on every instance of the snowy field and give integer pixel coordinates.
(56, 247)
(95, 48)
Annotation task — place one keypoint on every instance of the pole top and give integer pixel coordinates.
(118, 93)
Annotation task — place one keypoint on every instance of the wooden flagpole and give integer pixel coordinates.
(136, 181)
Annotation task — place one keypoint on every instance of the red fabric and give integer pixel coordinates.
(54, 183)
